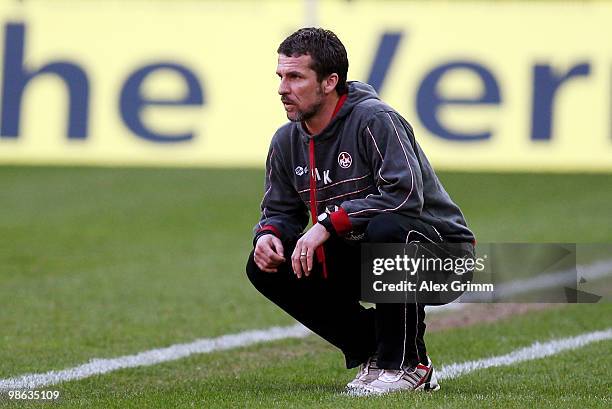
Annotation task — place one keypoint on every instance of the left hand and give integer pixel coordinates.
(302, 258)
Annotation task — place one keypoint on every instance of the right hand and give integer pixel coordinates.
(269, 253)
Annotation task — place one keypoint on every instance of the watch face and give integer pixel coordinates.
(322, 217)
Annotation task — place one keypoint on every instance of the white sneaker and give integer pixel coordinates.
(418, 378)
(367, 373)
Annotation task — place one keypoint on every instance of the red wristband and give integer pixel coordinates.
(340, 221)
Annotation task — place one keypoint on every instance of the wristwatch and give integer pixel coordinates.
(326, 222)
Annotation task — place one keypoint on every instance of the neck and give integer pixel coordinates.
(317, 123)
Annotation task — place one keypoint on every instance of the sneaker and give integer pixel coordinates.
(418, 378)
(367, 373)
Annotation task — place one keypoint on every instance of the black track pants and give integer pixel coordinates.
(330, 307)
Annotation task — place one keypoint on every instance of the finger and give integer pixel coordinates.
(278, 247)
(274, 263)
(275, 257)
(260, 259)
(304, 260)
(295, 261)
(259, 265)
(270, 255)
(260, 262)
(310, 260)
(265, 264)
(260, 251)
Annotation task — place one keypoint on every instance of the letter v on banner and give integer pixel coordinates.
(387, 47)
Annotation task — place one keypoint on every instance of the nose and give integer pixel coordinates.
(283, 89)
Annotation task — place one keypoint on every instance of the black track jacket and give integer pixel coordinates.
(366, 162)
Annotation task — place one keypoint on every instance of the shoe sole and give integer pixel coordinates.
(362, 389)
(357, 391)
(428, 387)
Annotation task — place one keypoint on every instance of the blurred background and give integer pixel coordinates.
(133, 136)
(487, 85)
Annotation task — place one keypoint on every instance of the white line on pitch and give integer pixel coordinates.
(175, 352)
(246, 338)
(154, 356)
(535, 351)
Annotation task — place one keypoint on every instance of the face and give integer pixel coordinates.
(301, 93)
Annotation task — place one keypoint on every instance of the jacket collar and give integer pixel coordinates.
(329, 130)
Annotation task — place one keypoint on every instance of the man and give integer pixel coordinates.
(352, 162)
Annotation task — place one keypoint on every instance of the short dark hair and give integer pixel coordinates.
(325, 49)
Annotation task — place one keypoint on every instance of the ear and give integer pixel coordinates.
(329, 83)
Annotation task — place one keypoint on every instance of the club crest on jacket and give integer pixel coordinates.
(345, 160)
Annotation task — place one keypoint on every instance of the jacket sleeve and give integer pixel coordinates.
(283, 213)
(388, 143)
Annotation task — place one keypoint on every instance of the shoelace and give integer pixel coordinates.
(391, 375)
(409, 374)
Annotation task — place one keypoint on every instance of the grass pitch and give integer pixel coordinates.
(106, 262)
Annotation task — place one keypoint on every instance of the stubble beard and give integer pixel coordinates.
(309, 112)
(301, 116)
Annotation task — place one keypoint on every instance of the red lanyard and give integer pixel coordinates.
(320, 251)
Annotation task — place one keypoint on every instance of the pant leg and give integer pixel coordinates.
(400, 327)
(329, 307)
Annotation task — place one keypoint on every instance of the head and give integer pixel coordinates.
(312, 65)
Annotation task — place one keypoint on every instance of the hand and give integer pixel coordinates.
(303, 256)
(268, 253)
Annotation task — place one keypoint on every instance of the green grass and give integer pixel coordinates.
(101, 262)
(308, 372)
